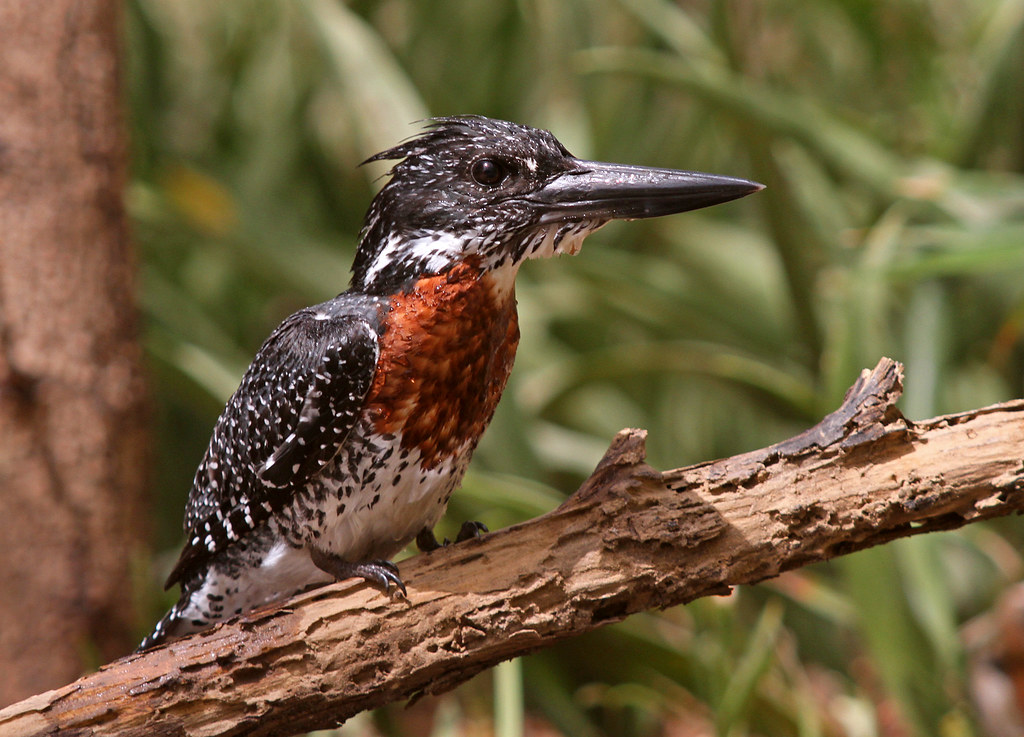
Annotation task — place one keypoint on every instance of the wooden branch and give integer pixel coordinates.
(630, 539)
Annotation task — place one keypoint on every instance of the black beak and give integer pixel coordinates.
(602, 191)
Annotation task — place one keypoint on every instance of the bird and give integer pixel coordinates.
(358, 416)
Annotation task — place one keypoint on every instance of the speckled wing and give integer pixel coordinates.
(293, 410)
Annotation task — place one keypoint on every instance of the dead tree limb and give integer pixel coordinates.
(630, 539)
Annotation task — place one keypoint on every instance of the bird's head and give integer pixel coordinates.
(500, 193)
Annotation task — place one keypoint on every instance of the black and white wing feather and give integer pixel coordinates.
(293, 410)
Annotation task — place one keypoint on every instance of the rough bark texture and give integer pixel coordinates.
(71, 409)
(630, 539)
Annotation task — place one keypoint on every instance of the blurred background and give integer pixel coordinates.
(890, 134)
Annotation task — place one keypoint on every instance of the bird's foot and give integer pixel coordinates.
(381, 574)
(470, 530)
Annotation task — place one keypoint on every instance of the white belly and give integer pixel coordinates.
(371, 516)
(385, 514)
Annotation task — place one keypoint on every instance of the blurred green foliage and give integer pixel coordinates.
(891, 136)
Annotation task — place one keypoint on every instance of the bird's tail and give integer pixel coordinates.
(166, 629)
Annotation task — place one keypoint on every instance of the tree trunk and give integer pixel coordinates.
(631, 538)
(72, 416)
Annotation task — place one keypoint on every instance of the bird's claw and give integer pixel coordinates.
(470, 530)
(381, 574)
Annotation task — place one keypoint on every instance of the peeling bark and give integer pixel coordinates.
(630, 539)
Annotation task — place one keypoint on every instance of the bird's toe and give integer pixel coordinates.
(470, 530)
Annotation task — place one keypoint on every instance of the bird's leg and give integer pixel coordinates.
(381, 574)
(426, 542)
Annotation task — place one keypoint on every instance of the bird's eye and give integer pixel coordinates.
(489, 172)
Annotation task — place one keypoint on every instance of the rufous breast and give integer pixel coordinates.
(445, 356)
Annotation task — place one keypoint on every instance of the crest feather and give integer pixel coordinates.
(445, 128)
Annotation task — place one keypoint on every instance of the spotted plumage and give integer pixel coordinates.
(357, 419)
